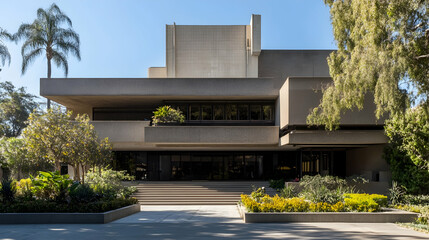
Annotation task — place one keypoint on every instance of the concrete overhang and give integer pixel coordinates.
(102, 92)
(339, 137)
(213, 135)
(138, 135)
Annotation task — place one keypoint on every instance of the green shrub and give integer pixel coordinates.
(396, 193)
(414, 179)
(167, 114)
(258, 194)
(107, 183)
(7, 191)
(23, 188)
(416, 199)
(82, 193)
(362, 202)
(40, 206)
(288, 192)
(51, 186)
(277, 184)
(279, 204)
(327, 189)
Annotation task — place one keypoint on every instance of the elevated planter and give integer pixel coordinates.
(68, 218)
(385, 216)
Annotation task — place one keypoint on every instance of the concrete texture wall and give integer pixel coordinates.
(281, 64)
(299, 95)
(121, 131)
(251, 58)
(210, 51)
(255, 38)
(170, 32)
(248, 135)
(367, 161)
(157, 72)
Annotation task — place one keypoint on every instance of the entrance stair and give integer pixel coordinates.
(195, 192)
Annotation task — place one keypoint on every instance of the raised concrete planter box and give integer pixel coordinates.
(68, 218)
(387, 216)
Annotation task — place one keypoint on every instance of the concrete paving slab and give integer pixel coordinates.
(185, 213)
(203, 222)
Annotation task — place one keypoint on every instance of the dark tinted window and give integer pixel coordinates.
(194, 112)
(267, 112)
(255, 112)
(218, 111)
(206, 112)
(231, 112)
(243, 112)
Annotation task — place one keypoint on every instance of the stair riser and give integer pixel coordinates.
(193, 193)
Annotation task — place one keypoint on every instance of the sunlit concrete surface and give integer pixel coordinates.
(185, 214)
(204, 222)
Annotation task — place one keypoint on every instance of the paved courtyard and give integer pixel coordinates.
(204, 222)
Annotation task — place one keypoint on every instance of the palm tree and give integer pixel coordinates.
(4, 53)
(45, 35)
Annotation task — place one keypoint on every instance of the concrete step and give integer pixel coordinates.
(194, 193)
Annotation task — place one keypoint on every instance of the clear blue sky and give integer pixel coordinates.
(122, 38)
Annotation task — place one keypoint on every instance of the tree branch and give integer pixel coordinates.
(422, 56)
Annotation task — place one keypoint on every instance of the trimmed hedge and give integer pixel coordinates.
(42, 206)
(352, 203)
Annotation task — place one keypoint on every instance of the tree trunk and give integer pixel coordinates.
(83, 174)
(48, 104)
(76, 173)
(58, 166)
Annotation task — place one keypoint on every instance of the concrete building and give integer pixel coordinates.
(245, 111)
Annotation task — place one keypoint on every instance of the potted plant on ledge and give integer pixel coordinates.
(166, 116)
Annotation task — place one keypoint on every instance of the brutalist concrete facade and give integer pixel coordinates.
(223, 67)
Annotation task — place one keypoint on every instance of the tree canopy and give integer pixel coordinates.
(57, 137)
(15, 107)
(383, 50)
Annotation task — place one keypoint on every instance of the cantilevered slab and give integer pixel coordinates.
(236, 135)
(247, 87)
(127, 92)
(340, 137)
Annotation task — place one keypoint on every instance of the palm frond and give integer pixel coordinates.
(23, 31)
(31, 44)
(67, 46)
(6, 35)
(67, 35)
(61, 61)
(29, 58)
(60, 17)
(4, 54)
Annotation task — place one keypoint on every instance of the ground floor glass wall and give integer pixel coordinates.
(229, 165)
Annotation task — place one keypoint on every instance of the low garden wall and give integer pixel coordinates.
(68, 218)
(385, 216)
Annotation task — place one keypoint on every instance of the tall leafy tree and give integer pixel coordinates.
(4, 52)
(15, 107)
(56, 137)
(383, 50)
(47, 36)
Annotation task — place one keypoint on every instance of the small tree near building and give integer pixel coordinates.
(56, 137)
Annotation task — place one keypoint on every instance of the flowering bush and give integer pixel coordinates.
(352, 202)
(364, 202)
